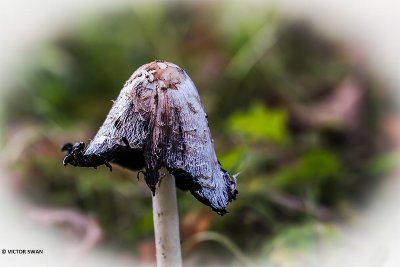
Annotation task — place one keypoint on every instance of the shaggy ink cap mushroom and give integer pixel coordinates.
(158, 121)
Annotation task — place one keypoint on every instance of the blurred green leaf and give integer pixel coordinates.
(89, 183)
(310, 170)
(262, 123)
(231, 160)
(384, 163)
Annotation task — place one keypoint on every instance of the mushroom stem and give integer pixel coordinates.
(166, 222)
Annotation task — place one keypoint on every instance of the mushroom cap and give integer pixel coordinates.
(158, 121)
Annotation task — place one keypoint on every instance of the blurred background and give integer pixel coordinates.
(296, 111)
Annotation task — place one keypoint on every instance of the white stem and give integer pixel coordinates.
(166, 222)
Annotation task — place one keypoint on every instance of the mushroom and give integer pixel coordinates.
(158, 121)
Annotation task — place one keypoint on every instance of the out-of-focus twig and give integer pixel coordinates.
(221, 239)
(86, 228)
(252, 51)
(301, 205)
(339, 109)
(390, 126)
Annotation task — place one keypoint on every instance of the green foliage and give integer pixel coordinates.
(382, 164)
(260, 123)
(312, 169)
(231, 160)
